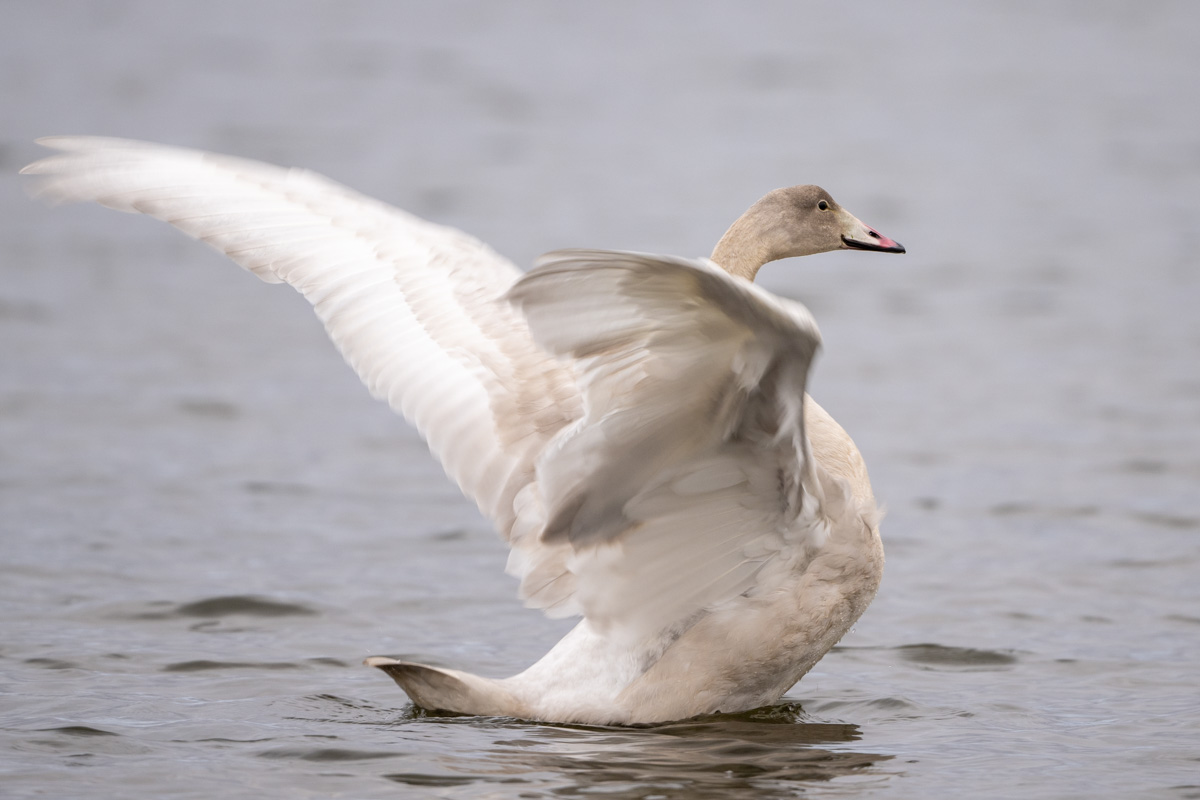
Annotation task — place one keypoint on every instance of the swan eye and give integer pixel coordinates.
(823, 205)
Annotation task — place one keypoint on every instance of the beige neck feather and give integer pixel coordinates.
(743, 249)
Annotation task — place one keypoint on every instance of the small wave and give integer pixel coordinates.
(1145, 466)
(417, 779)
(277, 487)
(1009, 509)
(327, 754)
(345, 702)
(326, 661)
(78, 730)
(83, 741)
(208, 408)
(51, 663)
(211, 608)
(938, 655)
(202, 665)
(1167, 520)
(246, 604)
(1149, 563)
(890, 704)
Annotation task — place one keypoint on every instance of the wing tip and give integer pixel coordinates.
(380, 661)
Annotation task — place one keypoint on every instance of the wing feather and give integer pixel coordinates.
(689, 472)
(632, 424)
(414, 307)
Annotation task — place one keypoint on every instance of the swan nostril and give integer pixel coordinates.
(874, 235)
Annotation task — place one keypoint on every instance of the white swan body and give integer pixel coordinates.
(635, 426)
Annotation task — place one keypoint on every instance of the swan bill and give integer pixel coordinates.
(881, 245)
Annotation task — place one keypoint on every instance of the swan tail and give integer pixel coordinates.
(438, 689)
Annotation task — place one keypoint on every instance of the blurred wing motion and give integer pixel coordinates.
(689, 473)
(632, 424)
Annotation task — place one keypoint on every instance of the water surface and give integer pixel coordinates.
(206, 522)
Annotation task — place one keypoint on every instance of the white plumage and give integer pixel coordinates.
(635, 426)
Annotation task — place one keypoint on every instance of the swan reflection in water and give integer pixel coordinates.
(768, 752)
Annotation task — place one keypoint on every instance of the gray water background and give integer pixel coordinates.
(205, 522)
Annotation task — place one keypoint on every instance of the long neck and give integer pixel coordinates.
(742, 250)
(764, 233)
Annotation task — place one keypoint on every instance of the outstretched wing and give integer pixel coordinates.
(689, 474)
(633, 425)
(415, 308)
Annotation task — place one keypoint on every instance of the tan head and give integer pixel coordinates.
(796, 221)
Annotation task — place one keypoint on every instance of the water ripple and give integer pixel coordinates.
(217, 607)
(78, 730)
(327, 754)
(202, 665)
(242, 604)
(938, 655)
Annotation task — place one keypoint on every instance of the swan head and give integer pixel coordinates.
(795, 221)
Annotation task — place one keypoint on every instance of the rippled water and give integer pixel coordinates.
(206, 523)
